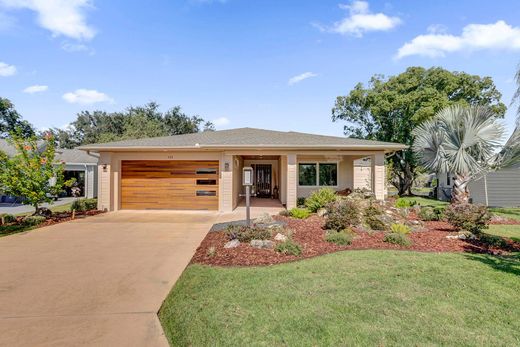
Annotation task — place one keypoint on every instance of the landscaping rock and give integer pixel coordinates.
(232, 244)
(262, 244)
(322, 212)
(280, 237)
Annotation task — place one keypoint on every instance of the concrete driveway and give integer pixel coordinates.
(98, 281)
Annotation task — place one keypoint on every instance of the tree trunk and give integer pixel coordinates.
(460, 192)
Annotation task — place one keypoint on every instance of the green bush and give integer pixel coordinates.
(289, 247)
(428, 213)
(375, 223)
(469, 217)
(399, 228)
(82, 205)
(342, 214)
(300, 213)
(33, 220)
(8, 218)
(398, 239)
(320, 199)
(341, 238)
(404, 203)
(492, 240)
(300, 202)
(244, 233)
(284, 213)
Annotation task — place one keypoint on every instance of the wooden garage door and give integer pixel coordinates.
(171, 184)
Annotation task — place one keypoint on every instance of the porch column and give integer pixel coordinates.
(378, 175)
(292, 180)
(105, 191)
(226, 184)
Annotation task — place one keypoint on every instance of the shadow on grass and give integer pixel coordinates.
(509, 264)
(7, 230)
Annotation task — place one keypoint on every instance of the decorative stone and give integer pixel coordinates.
(280, 237)
(265, 218)
(322, 212)
(262, 244)
(232, 244)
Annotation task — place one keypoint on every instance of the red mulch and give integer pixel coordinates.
(505, 221)
(61, 217)
(309, 234)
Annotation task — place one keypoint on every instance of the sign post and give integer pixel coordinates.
(247, 181)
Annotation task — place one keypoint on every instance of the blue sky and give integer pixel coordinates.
(267, 64)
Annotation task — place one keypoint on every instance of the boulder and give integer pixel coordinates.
(265, 218)
(232, 244)
(322, 212)
(262, 244)
(280, 237)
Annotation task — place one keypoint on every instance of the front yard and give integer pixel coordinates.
(370, 297)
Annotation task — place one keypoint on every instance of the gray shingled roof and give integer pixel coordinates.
(69, 156)
(244, 138)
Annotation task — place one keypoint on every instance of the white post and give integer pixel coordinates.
(378, 175)
(292, 181)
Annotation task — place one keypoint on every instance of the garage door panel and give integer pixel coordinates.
(175, 184)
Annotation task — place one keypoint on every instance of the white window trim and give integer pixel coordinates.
(317, 163)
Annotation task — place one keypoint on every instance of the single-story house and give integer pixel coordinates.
(497, 189)
(78, 164)
(204, 170)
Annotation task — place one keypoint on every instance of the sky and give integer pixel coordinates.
(269, 64)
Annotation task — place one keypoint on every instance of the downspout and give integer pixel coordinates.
(486, 190)
(86, 181)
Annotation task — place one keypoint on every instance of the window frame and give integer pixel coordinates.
(317, 163)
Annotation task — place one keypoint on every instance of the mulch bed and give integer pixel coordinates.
(309, 234)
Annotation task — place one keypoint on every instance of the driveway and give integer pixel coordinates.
(98, 281)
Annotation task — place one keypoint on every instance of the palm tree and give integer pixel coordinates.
(465, 141)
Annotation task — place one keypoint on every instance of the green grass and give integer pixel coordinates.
(369, 298)
(55, 209)
(509, 231)
(513, 213)
(425, 201)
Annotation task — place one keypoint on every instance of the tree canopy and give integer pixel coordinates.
(133, 123)
(388, 109)
(11, 121)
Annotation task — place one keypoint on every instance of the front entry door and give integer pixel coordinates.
(263, 180)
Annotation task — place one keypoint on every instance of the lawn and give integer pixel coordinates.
(55, 209)
(374, 298)
(509, 231)
(425, 201)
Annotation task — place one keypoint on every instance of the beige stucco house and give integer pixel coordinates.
(204, 170)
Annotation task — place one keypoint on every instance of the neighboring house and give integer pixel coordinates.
(78, 164)
(204, 170)
(498, 189)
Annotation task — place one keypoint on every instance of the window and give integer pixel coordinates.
(206, 193)
(206, 182)
(307, 173)
(206, 171)
(328, 174)
(448, 179)
(318, 174)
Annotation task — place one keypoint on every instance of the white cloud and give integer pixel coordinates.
(497, 36)
(61, 17)
(76, 47)
(35, 89)
(86, 96)
(7, 70)
(361, 20)
(220, 121)
(300, 77)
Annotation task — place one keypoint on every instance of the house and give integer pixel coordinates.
(204, 170)
(497, 189)
(78, 164)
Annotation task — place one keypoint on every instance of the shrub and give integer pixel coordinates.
(492, 240)
(300, 202)
(82, 205)
(320, 198)
(289, 247)
(284, 213)
(300, 213)
(469, 217)
(212, 251)
(341, 238)
(403, 203)
(33, 220)
(398, 239)
(399, 228)
(373, 210)
(375, 223)
(343, 214)
(244, 233)
(8, 218)
(428, 213)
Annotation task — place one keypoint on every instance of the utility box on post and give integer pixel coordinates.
(247, 181)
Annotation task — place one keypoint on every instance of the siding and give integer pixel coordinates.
(503, 188)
